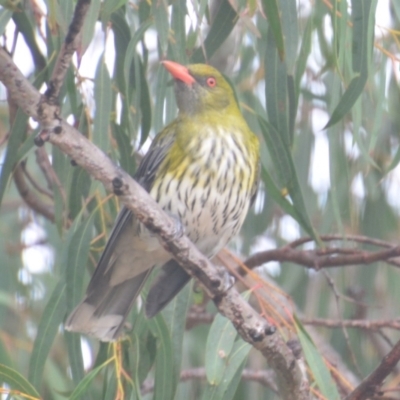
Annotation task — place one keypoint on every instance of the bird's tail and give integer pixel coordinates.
(171, 279)
(102, 313)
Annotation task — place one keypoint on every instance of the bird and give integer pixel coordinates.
(203, 169)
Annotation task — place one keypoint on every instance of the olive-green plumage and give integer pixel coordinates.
(202, 169)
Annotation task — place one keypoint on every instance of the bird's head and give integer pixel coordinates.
(200, 87)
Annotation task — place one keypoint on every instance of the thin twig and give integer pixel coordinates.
(264, 377)
(353, 323)
(346, 238)
(369, 387)
(36, 185)
(343, 327)
(67, 50)
(317, 259)
(52, 179)
(30, 198)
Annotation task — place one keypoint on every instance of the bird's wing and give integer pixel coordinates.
(171, 279)
(255, 184)
(147, 170)
(126, 262)
(120, 243)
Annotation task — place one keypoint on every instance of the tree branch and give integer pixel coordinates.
(265, 378)
(250, 325)
(353, 323)
(67, 50)
(371, 384)
(325, 258)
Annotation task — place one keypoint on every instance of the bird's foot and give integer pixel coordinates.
(227, 280)
(179, 229)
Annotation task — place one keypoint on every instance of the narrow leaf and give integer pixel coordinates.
(164, 387)
(160, 13)
(5, 16)
(231, 372)
(178, 45)
(316, 363)
(363, 18)
(175, 318)
(288, 12)
(52, 317)
(18, 131)
(271, 10)
(219, 345)
(287, 176)
(17, 381)
(276, 87)
(224, 21)
(102, 97)
(86, 381)
(88, 26)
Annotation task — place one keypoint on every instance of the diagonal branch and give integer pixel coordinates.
(250, 325)
(369, 387)
(67, 50)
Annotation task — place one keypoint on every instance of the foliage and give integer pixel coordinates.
(318, 83)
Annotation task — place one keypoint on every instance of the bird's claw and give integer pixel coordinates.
(227, 280)
(179, 229)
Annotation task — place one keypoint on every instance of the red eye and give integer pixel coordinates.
(211, 82)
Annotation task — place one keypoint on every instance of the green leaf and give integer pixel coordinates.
(316, 363)
(160, 14)
(109, 7)
(5, 357)
(363, 18)
(135, 360)
(75, 257)
(89, 23)
(75, 356)
(18, 131)
(102, 96)
(161, 90)
(81, 184)
(395, 161)
(165, 372)
(220, 340)
(137, 93)
(224, 21)
(5, 16)
(231, 373)
(178, 45)
(52, 317)
(287, 176)
(277, 195)
(25, 27)
(125, 148)
(271, 10)
(143, 356)
(87, 380)
(145, 102)
(276, 88)
(288, 12)
(62, 168)
(122, 37)
(16, 381)
(237, 361)
(175, 318)
(305, 51)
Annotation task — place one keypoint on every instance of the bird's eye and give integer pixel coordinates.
(211, 82)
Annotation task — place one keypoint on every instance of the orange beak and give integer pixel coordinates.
(178, 71)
